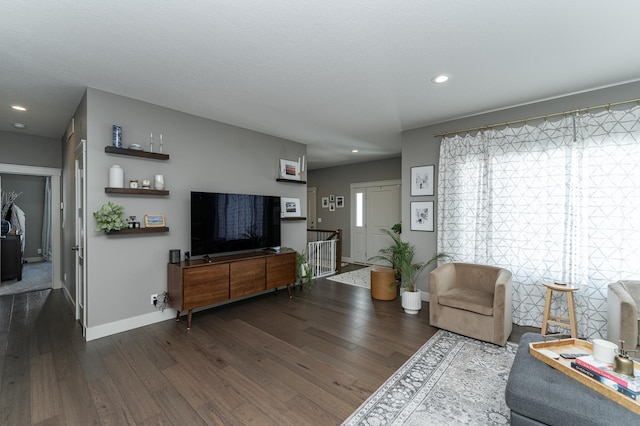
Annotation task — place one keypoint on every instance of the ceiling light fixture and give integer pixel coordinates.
(354, 151)
(19, 125)
(440, 78)
(18, 108)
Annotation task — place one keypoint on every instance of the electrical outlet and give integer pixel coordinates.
(154, 299)
(39, 251)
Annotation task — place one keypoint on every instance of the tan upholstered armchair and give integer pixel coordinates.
(472, 300)
(622, 313)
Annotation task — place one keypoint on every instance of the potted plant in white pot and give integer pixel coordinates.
(400, 255)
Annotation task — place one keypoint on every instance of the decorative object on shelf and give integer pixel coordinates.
(422, 216)
(158, 181)
(154, 220)
(133, 183)
(289, 170)
(289, 207)
(146, 184)
(422, 180)
(116, 177)
(109, 218)
(135, 147)
(151, 142)
(325, 202)
(117, 136)
(132, 223)
(161, 144)
(340, 201)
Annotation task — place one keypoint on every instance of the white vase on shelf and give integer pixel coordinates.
(116, 176)
(158, 182)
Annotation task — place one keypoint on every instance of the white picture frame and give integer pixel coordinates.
(339, 201)
(289, 169)
(422, 180)
(290, 207)
(422, 216)
(332, 207)
(325, 202)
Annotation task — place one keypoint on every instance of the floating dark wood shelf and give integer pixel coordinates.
(287, 219)
(138, 231)
(290, 180)
(135, 191)
(136, 153)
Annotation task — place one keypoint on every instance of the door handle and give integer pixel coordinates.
(75, 248)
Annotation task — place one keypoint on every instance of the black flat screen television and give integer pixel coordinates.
(224, 223)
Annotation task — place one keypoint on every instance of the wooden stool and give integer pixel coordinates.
(383, 283)
(564, 322)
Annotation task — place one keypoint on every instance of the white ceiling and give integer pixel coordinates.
(333, 74)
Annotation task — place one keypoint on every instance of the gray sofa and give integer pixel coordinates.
(537, 394)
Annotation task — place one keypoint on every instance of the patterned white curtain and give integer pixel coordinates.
(557, 200)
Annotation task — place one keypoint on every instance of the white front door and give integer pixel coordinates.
(80, 241)
(374, 206)
(383, 211)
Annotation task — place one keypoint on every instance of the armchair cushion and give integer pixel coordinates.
(480, 302)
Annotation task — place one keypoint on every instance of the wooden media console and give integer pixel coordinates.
(197, 283)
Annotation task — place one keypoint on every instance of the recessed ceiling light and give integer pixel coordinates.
(354, 150)
(440, 78)
(18, 108)
(19, 125)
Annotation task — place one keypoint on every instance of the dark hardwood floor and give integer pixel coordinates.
(267, 360)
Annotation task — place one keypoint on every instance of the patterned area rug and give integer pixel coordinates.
(451, 380)
(359, 278)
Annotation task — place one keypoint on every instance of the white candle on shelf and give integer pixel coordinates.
(302, 169)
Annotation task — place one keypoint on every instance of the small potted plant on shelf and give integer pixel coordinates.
(109, 218)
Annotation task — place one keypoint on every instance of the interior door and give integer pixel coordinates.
(311, 207)
(80, 240)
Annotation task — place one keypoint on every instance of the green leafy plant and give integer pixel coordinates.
(303, 270)
(400, 256)
(109, 218)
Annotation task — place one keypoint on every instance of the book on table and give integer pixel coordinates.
(602, 379)
(606, 370)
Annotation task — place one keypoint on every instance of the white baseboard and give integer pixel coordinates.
(115, 327)
(34, 259)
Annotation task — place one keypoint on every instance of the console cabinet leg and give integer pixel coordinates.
(178, 316)
(189, 319)
(289, 290)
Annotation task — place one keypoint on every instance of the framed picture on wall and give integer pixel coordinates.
(325, 202)
(332, 207)
(422, 216)
(290, 207)
(340, 201)
(289, 169)
(422, 180)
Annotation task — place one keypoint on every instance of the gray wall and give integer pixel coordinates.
(421, 146)
(27, 150)
(205, 155)
(337, 181)
(31, 201)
